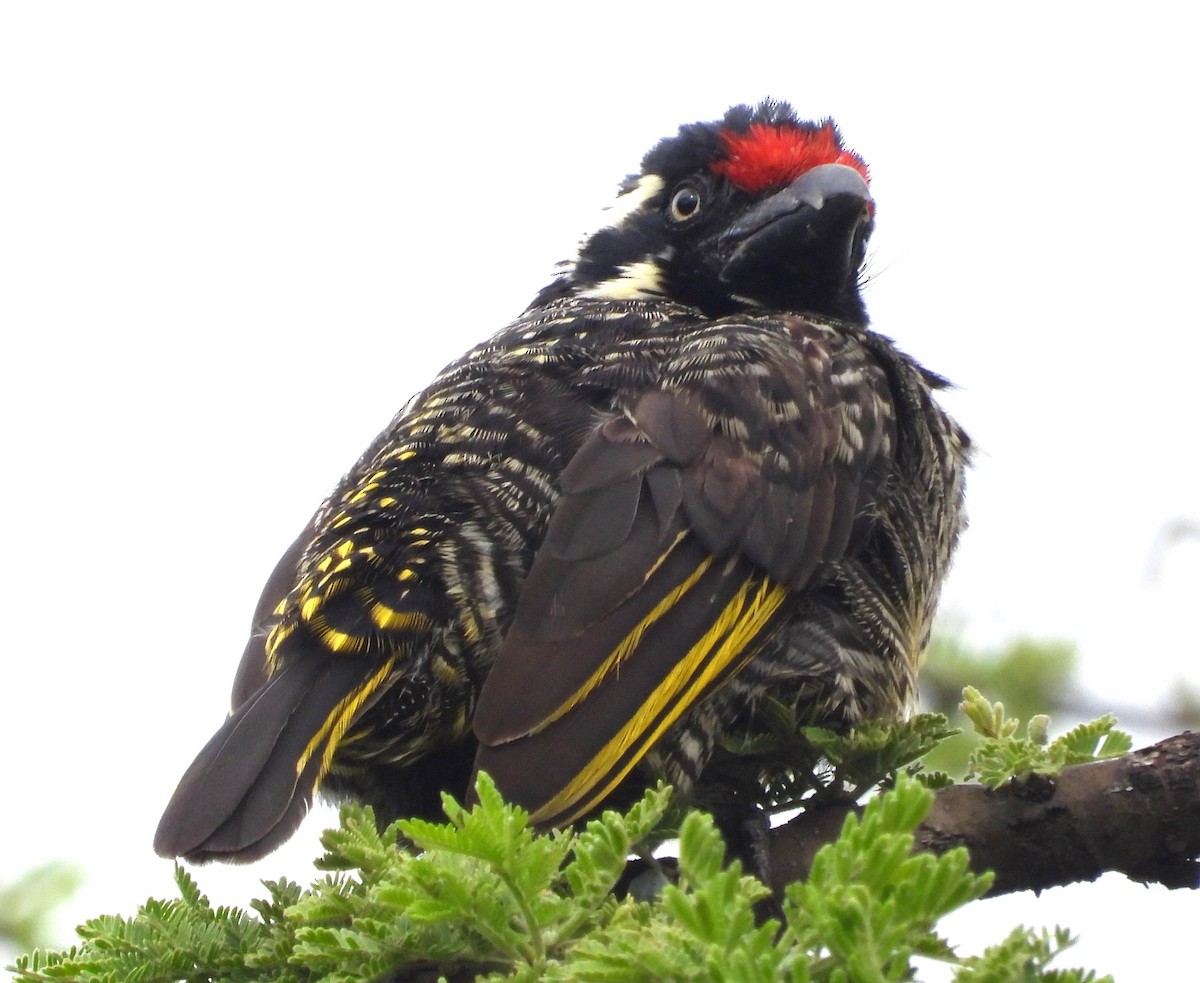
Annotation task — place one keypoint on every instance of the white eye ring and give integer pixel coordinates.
(685, 204)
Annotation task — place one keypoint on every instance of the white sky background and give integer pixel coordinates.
(235, 237)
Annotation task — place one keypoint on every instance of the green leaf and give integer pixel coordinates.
(1093, 741)
(1002, 756)
(1023, 957)
(869, 901)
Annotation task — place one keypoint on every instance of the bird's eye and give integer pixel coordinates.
(685, 204)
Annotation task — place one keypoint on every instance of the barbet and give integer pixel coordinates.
(688, 479)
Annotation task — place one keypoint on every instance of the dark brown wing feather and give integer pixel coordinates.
(565, 761)
(682, 527)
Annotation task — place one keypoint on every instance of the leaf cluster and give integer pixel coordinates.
(787, 764)
(1024, 955)
(482, 896)
(1029, 675)
(1004, 754)
(184, 938)
(872, 753)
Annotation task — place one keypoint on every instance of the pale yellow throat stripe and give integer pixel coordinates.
(336, 723)
(729, 637)
(640, 280)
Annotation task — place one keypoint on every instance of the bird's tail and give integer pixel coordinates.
(253, 782)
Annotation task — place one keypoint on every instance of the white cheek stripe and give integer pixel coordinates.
(634, 281)
(618, 212)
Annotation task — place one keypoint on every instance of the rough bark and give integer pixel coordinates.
(1138, 814)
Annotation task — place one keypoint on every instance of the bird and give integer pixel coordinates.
(687, 479)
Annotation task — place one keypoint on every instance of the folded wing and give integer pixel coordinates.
(684, 526)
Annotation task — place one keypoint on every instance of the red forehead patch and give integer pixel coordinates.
(765, 156)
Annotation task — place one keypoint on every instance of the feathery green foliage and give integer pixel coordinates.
(1003, 755)
(870, 904)
(873, 752)
(483, 896)
(1023, 955)
(1028, 675)
(787, 764)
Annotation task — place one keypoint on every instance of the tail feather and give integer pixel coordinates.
(252, 784)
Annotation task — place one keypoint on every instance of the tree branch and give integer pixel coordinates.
(1138, 814)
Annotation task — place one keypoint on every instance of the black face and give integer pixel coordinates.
(795, 248)
(761, 211)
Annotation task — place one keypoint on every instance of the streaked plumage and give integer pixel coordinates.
(687, 477)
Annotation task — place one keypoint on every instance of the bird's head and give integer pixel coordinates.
(760, 210)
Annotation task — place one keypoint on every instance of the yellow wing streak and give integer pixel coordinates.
(338, 641)
(336, 723)
(738, 623)
(627, 645)
(389, 619)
